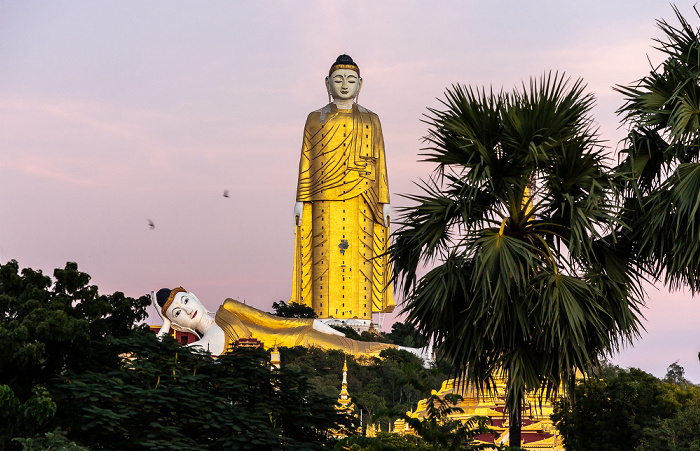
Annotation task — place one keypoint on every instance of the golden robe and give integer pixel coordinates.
(243, 321)
(339, 267)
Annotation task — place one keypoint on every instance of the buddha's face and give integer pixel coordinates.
(186, 310)
(344, 84)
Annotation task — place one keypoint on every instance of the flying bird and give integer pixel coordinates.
(225, 193)
(151, 225)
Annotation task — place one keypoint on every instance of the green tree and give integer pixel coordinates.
(403, 334)
(519, 217)
(625, 409)
(674, 374)
(18, 419)
(293, 310)
(349, 332)
(55, 440)
(165, 396)
(370, 403)
(50, 326)
(364, 336)
(680, 433)
(662, 110)
(610, 414)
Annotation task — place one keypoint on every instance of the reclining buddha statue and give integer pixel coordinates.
(181, 310)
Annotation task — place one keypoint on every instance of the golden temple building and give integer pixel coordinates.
(538, 431)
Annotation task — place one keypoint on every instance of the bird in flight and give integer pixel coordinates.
(225, 193)
(151, 225)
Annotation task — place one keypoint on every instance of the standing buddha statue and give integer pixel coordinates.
(342, 210)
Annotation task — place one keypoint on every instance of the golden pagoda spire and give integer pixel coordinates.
(275, 358)
(344, 400)
(344, 397)
(344, 405)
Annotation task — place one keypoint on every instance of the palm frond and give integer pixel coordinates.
(521, 218)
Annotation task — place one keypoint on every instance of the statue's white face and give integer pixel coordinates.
(186, 310)
(344, 84)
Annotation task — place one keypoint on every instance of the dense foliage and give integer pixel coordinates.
(662, 156)
(375, 385)
(364, 336)
(77, 372)
(629, 409)
(164, 396)
(292, 310)
(48, 328)
(403, 334)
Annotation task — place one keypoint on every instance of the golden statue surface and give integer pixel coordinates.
(342, 209)
(238, 320)
(235, 321)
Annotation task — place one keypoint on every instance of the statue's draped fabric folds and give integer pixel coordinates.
(238, 321)
(340, 266)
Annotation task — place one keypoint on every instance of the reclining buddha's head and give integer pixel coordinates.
(181, 307)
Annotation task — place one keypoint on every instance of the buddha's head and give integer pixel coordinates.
(343, 81)
(182, 308)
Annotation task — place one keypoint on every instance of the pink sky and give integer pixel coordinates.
(114, 112)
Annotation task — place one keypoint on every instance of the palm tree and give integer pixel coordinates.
(663, 159)
(520, 219)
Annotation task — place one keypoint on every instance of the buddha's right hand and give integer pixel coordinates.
(298, 213)
(165, 328)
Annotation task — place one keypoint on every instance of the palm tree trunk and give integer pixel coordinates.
(514, 429)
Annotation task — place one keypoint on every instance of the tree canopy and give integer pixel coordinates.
(293, 310)
(520, 218)
(78, 372)
(662, 158)
(630, 409)
(378, 385)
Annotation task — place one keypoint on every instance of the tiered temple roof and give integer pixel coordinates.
(538, 431)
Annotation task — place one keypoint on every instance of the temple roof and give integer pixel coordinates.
(538, 431)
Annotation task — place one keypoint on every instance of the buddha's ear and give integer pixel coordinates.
(359, 88)
(328, 89)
